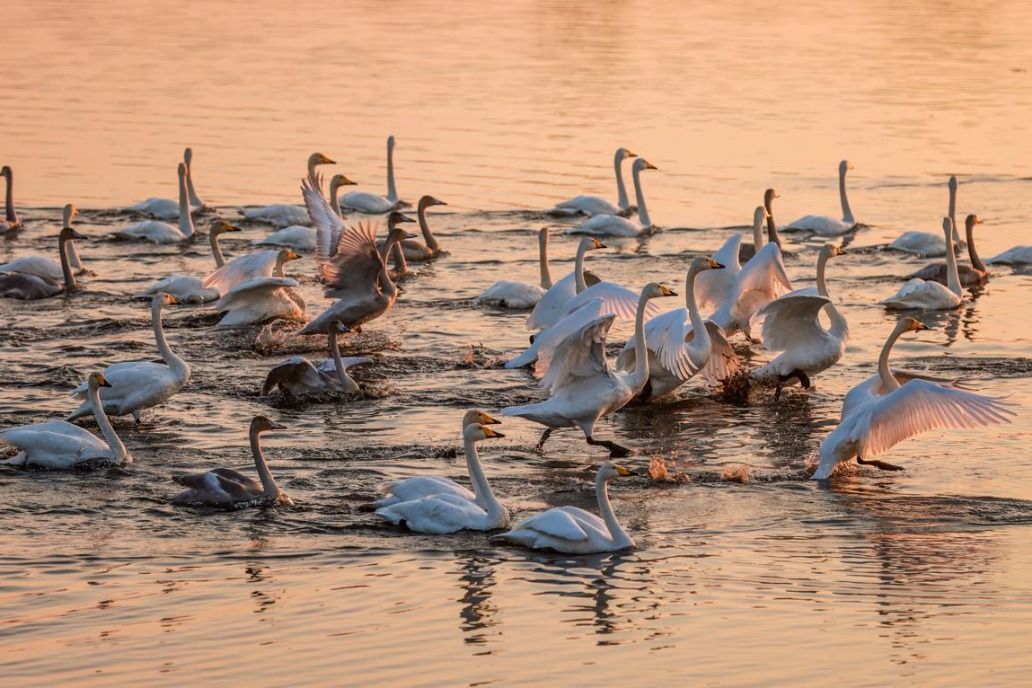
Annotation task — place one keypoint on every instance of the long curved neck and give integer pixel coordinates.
(110, 436)
(952, 276)
(621, 189)
(772, 228)
(195, 200)
(167, 354)
(387, 285)
(312, 177)
(269, 486)
(392, 193)
(605, 507)
(546, 274)
(9, 211)
(578, 268)
(66, 268)
(334, 199)
(698, 326)
(637, 378)
(73, 256)
(757, 229)
(350, 386)
(400, 264)
(976, 262)
(839, 325)
(643, 211)
(953, 208)
(847, 214)
(216, 248)
(481, 487)
(428, 236)
(186, 225)
(888, 380)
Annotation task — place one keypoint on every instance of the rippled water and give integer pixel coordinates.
(917, 577)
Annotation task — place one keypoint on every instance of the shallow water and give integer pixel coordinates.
(913, 577)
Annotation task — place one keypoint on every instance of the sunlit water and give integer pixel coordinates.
(916, 577)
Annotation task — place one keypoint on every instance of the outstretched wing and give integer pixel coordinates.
(328, 225)
(723, 361)
(581, 354)
(791, 321)
(615, 299)
(254, 287)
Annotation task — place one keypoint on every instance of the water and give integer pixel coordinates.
(916, 577)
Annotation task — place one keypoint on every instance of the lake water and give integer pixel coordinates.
(919, 577)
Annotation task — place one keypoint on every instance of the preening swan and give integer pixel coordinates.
(48, 268)
(414, 250)
(259, 299)
(285, 214)
(824, 224)
(680, 344)
(299, 237)
(596, 205)
(932, 296)
(369, 203)
(59, 444)
(553, 303)
(188, 288)
(969, 275)
(166, 208)
(573, 530)
(139, 385)
(1019, 255)
(614, 225)
(927, 244)
(297, 375)
(445, 512)
(880, 413)
(162, 232)
(792, 325)
(226, 486)
(28, 286)
(583, 385)
(11, 221)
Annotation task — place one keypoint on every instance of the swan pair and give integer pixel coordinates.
(615, 225)
(928, 295)
(59, 444)
(162, 232)
(894, 405)
(227, 486)
(284, 214)
(596, 205)
(297, 375)
(10, 221)
(166, 208)
(370, 203)
(30, 278)
(927, 244)
(188, 288)
(825, 225)
(413, 250)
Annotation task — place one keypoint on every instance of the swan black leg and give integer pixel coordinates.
(804, 379)
(544, 436)
(878, 464)
(615, 450)
(646, 391)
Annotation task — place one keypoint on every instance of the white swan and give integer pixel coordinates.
(553, 303)
(299, 237)
(59, 444)
(792, 325)
(583, 385)
(267, 263)
(825, 225)
(166, 208)
(596, 205)
(969, 275)
(880, 413)
(932, 296)
(42, 266)
(573, 530)
(285, 214)
(447, 513)
(189, 288)
(226, 486)
(1018, 255)
(760, 281)
(297, 375)
(259, 299)
(162, 232)
(29, 286)
(614, 225)
(927, 244)
(195, 201)
(680, 344)
(369, 203)
(414, 250)
(521, 295)
(10, 221)
(139, 385)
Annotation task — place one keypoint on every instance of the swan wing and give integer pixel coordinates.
(582, 354)
(254, 264)
(791, 321)
(256, 287)
(616, 299)
(723, 362)
(764, 273)
(545, 343)
(556, 523)
(553, 303)
(727, 254)
(328, 225)
(356, 265)
(666, 336)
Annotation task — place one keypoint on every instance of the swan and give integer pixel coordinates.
(772, 227)
(927, 244)
(409, 489)
(162, 232)
(138, 385)
(390, 248)
(614, 225)
(297, 375)
(584, 386)
(41, 266)
(1018, 255)
(572, 530)
(675, 353)
(28, 286)
(188, 288)
(267, 263)
(166, 208)
(932, 296)
(596, 205)
(59, 444)
(299, 237)
(226, 486)
(285, 214)
(11, 221)
(880, 413)
(746, 250)
(760, 281)
(445, 512)
(552, 304)
(969, 275)
(369, 203)
(414, 250)
(521, 295)
(259, 299)
(825, 225)
(792, 325)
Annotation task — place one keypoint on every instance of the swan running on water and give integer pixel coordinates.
(285, 214)
(596, 205)
(932, 296)
(614, 225)
(226, 486)
(28, 286)
(59, 444)
(880, 412)
(573, 530)
(162, 232)
(825, 225)
(369, 203)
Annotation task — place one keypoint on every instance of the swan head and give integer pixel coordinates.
(6, 172)
(319, 159)
(340, 180)
(67, 234)
(181, 170)
(610, 470)
(831, 250)
(396, 218)
(188, 156)
(587, 243)
(971, 221)
(655, 290)
(97, 380)
(286, 255)
(953, 183)
(947, 228)
(427, 201)
(477, 432)
(908, 324)
(768, 196)
(68, 213)
(844, 166)
(261, 424)
(643, 164)
(478, 417)
(338, 327)
(390, 142)
(161, 299)
(623, 153)
(220, 226)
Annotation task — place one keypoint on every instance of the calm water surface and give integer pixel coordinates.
(921, 577)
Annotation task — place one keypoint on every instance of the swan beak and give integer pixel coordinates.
(171, 300)
(408, 235)
(839, 252)
(630, 154)
(715, 265)
(488, 420)
(291, 256)
(327, 161)
(405, 218)
(102, 381)
(620, 470)
(650, 166)
(348, 182)
(273, 425)
(488, 432)
(666, 291)
(438, 201)
(598, 244)
(920, 326)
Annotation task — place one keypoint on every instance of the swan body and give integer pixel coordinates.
(267, 263)
(1019, 255)
(297, 375)
(969, 275)
(370, 203)
(10, 221)
(614, 225)
(513, 295)
(259, 299)
(59, 444)
(139, 385)
(553, 303)
(792, 325)
(30, 287)
(545, 341)
(166, 208)
(927, 295)
(414, 250)
(188, 288)
(927, 244)
(446, 512)
(41, 266)
(227, 486)
(573, 530)
(825, 225)
(880, 413)
(596, 205)
(161, 232)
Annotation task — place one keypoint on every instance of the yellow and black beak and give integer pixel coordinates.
(102, 381)
(715, 265)
(488, 432)
(598, 244)
(667, 291)
(620, 470)
(488, 420)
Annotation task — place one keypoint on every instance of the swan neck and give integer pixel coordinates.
(546, 273)
(621, 189)
(637, 378)
(73, 256)
(392, 193)
(186, 225)
(195, 200)
(66, 268)
(335, 202)
(976, 261)
(216, 249)
(481, 487)
(847, 213)
(428, 236)
(114, 443)
(888, 380)
(400, 264)
(698, 326)
(578, 268)
(269, 487)
(839, 325)
(643, 211)
(387, 285)
(757, 231)
(952, 276)
(10, 213)
(311, 174)
(605, 507)
(822, 263)
(159, 337)
(772, 230)
(350, 386)
(953, 209)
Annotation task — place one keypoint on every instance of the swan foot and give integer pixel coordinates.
(878, 464)
(615, 450)
(804, 379)
(544, 436)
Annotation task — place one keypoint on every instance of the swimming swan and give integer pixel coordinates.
(41, 266)
(521, 295)
(28, 286)
(614, 225)
(188, 288)
(1018, 255)
(369, 203)
(823, 224)
(414, 250)
(166, 208)
(927, 244)
(932, 296)
(285, 214)
(969, 275)
(596, 205)
(162, 232)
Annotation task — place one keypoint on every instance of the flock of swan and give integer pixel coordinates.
(739, 285)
